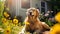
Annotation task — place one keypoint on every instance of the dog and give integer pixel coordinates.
(35, 25)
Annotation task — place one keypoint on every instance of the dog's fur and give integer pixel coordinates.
(35, 25)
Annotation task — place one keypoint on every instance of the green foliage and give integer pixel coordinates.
(1, 9)
(1, 6)
(49, 22)
(45, 19)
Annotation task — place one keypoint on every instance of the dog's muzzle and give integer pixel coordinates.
(30, 13)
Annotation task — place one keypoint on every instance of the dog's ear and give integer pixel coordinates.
(37, 13)
(27, 11)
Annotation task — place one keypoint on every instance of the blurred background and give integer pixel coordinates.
(19, 7)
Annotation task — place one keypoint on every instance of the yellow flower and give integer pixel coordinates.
(57, 17)
(4, 20)
(27, 23)
(15, 21)
(6, 14)
(7, 30)
(55, 29)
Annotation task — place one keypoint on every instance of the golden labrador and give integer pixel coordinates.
(35, 25)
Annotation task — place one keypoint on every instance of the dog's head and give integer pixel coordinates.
(32, 12)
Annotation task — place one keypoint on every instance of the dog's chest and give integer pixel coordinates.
(33, 26)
